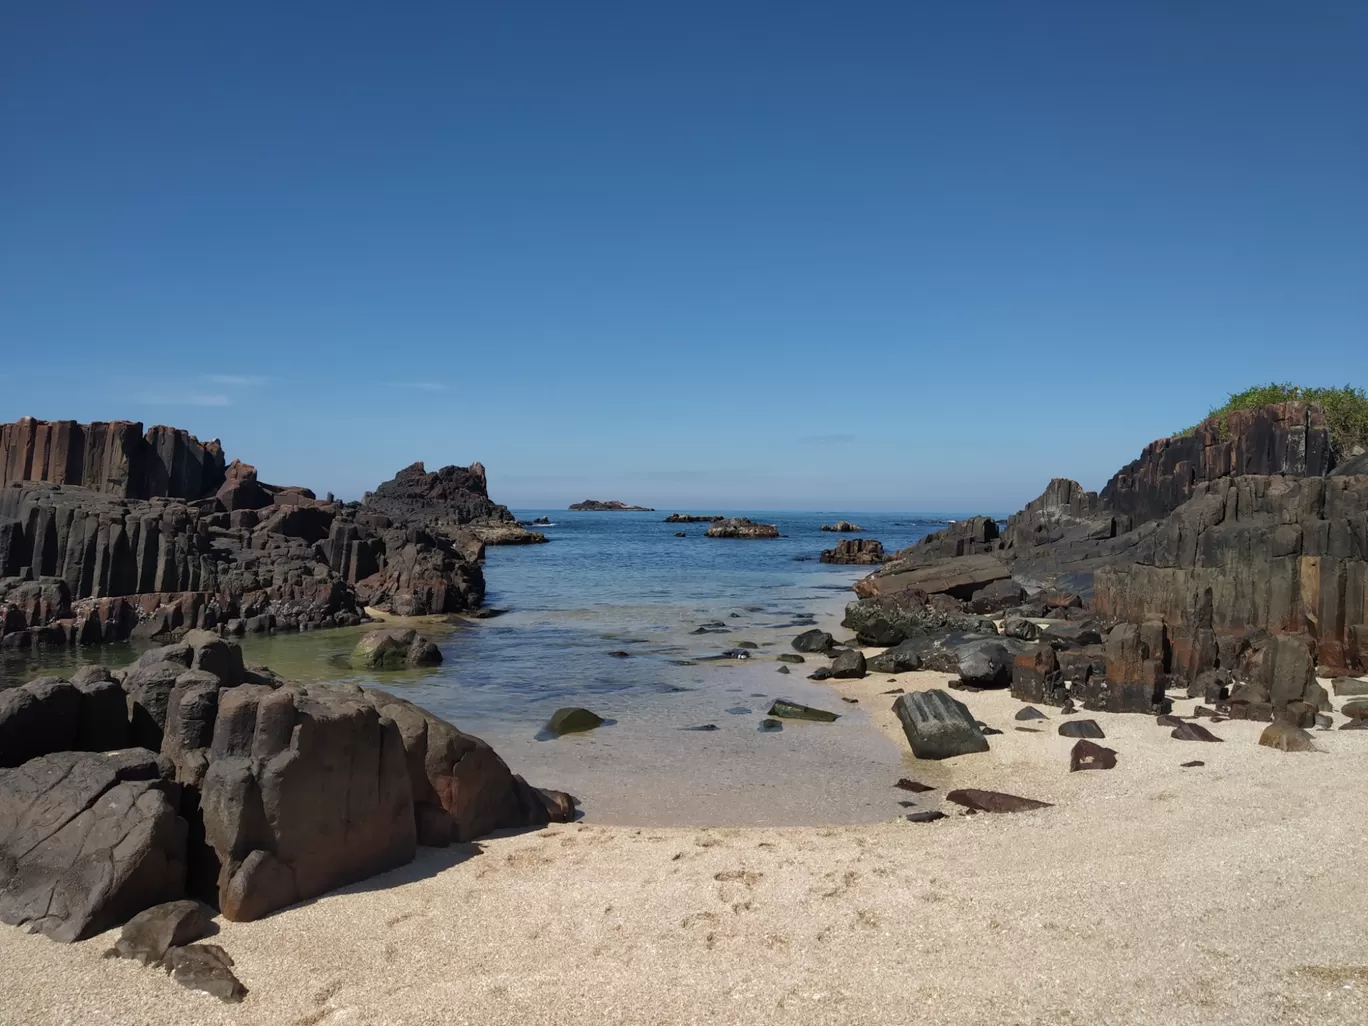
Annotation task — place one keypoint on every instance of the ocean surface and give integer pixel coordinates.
(622, 582)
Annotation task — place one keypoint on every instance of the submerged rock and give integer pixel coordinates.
(794, 711)
(394, 649)
(572, 720)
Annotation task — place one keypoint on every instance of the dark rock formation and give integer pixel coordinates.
(1287, 738)
(688, 518)
(855, 551)
(1190, 731)
(842, 527)
(114, 458)
(937, 726)
(1233, 548)
(449, 496)
(87, 841)
(741, 527)
(609, 506)
(901, 658)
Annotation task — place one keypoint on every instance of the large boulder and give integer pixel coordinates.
(36, 718)
(855, 551)
(87, 840)
(849, 663)
(984, 664)
(901, 658)
(394, 649)
(885, 621)
(813, 640)
(937, 726)
(306, 790)
(461, 788)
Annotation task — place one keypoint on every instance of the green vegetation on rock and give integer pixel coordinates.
(1346, 409)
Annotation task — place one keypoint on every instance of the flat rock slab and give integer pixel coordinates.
(1081, 728)
(794, 711)
(1287, 738)
(1356, 710)
(1089, 756)
(1193, 732)
(938, 726)
(1190, 765)
(993, 801)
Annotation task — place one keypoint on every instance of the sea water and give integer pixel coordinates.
(622, 582)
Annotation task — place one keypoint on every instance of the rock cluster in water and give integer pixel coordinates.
(608, 506)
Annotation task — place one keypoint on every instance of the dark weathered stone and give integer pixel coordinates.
(205, 967)
(1190, 731)
(993, 801)
(741, 527)
(86, 841)
(937, 726)
(929, 816)
(813, 641)
(37, 718)
(394, 648)
(856, 551)
(984, 664)
(1088, 756)
(848, 664)
(901, 658)
(147, 935)
(1081, 728)
(916, 787)
(1030, 713)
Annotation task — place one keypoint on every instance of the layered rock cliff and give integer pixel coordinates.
(114, 458)
(1200, 555)
(107, 532)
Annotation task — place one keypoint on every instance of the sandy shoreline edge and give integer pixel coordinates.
(1149, 893)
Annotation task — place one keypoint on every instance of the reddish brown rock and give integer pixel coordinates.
(1089, 756)
(993, 801)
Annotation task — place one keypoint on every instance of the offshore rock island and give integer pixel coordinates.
(608, 506)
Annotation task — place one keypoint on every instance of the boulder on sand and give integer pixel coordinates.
(1286, 737)
(394, 649)
(937, 726)
(993, 801)
(901, 658)
(1089, 756)
(147, 935)
(88, 840)
(850, 663)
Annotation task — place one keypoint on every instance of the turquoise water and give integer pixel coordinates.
(622, 582)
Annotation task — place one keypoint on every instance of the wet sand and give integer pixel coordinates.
(1149, 894)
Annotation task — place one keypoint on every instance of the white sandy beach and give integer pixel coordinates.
(1228, 893)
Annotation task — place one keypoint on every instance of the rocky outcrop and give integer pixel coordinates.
(114, 458)
(842, 527)
(1237, 547)
(741, 527)
(88, 840)
(79, 566)
(393, 649)
(449, 497)
(264, 793)
(689, 518)
(608, 506)
(855, 551)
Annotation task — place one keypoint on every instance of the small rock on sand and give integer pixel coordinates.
(1089, 756)
(1193, 732)
(993, 801)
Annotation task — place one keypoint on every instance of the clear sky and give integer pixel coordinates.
(784, 254)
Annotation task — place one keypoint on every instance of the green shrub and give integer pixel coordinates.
(1346, 409)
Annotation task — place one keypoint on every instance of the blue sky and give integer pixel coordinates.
(868, 255)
